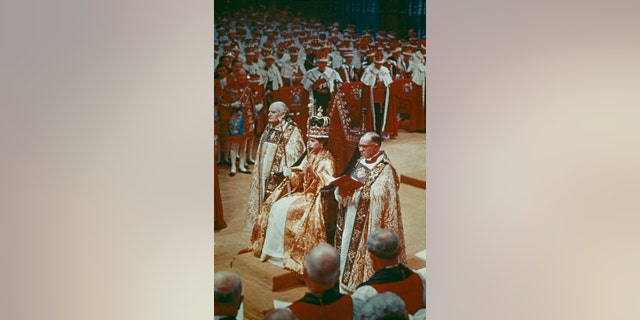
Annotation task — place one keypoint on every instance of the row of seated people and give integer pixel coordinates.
(393, 292)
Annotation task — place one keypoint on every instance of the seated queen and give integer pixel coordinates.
(291, 222)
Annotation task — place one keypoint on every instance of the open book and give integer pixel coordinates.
(347, 184)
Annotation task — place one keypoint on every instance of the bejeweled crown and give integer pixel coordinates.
(318, 126)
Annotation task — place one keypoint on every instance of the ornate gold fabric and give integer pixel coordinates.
(304, 227)
(378, 207)
(273, 155)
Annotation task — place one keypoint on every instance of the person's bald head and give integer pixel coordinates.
(386, 305)
(384, 244)
(227, 293)
(372, 137)
(322, 265)
(277, 112)
(279, 314)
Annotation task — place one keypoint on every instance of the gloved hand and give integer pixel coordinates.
(339, 198)
(286, 171)
(236, 104)
(258, 107)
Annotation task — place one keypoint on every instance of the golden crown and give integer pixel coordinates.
(318, 126)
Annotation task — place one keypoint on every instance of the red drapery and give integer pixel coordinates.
(406, 97)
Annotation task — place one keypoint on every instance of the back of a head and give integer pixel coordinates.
(279, 314)
(228, 288)
(384, 306)
(323, 264)
(383, 243)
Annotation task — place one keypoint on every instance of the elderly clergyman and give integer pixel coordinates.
(281, 145)
(372, 204)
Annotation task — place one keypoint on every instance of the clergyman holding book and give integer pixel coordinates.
(368, 200)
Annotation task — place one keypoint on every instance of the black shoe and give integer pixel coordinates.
(231, 174)
(244, 171)
(225, 163)
(250, 162)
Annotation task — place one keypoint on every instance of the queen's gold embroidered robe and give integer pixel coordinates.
(304, 226)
